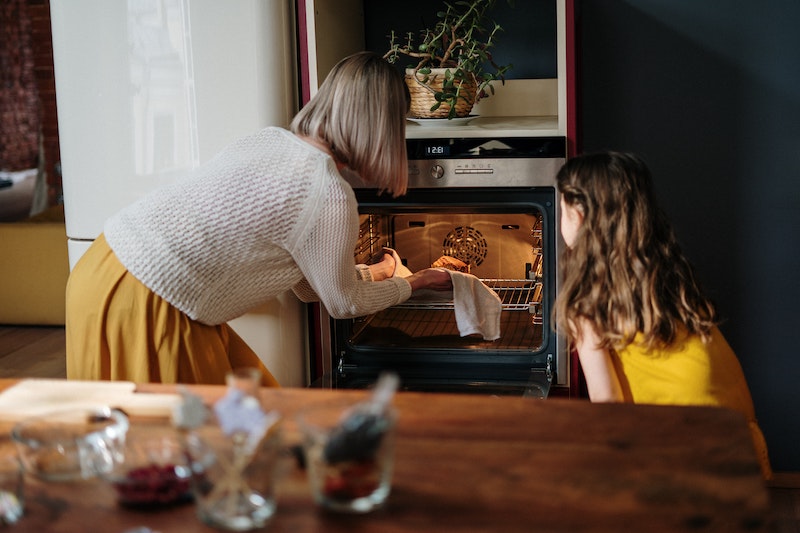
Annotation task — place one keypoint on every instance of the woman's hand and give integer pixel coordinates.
(435, 279)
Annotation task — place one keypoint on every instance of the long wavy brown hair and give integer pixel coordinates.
(625, 272)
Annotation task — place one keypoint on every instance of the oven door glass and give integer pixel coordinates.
(506, 237)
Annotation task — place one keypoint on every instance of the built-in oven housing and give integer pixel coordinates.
(492, 203)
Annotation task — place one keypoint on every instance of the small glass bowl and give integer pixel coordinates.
(349, 455)
(70, 445)
(156, 467)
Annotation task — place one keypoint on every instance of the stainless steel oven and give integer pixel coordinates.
(492, 203)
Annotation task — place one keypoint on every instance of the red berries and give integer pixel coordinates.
(351, 480)
(153, 485)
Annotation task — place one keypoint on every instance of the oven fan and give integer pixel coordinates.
(466, 244)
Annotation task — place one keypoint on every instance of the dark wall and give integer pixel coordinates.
(527, 42)
(709, 94)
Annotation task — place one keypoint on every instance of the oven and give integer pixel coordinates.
(491, 203)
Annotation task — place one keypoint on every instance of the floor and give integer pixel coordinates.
(32, 352)
(40, 352)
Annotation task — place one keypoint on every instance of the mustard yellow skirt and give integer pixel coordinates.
(118, 329)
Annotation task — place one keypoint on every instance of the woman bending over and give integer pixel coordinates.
(151, 298)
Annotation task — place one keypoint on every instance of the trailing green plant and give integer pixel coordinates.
(460, 42)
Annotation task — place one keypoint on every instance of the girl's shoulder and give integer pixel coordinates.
(685, 344)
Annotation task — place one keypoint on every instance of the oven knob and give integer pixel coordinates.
(437, 172)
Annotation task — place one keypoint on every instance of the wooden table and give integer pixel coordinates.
(481, 463)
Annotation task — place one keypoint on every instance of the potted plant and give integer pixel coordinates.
(454, 64)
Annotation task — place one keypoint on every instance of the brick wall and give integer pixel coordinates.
(27, 91)
(42, 45)
(19, 101)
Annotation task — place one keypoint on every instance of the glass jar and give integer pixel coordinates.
(236, 490)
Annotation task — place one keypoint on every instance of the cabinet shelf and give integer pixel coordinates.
(531, 107)
(533, 126)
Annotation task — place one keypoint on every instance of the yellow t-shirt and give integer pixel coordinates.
(690, 372)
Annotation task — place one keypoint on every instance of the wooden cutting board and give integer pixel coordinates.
(33, 397)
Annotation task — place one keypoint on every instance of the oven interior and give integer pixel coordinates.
(506, 238)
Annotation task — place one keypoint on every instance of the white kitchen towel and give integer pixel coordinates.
(477, 306)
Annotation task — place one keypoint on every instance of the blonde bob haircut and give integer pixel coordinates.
(360, 112)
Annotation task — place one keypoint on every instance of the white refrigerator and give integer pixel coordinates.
(147, 90)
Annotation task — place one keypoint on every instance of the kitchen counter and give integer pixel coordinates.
(481, 463)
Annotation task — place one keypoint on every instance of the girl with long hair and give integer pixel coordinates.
(629, 301)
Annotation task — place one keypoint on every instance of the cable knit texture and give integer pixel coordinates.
(268, 214)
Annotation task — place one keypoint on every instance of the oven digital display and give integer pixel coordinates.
(437, 150)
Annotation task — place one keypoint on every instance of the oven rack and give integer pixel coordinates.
(516, 295)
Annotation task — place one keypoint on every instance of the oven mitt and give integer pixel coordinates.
(477, 306)
(400, 270)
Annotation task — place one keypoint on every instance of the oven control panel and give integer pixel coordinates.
(437, 170)
(484, 173)
(485, 162)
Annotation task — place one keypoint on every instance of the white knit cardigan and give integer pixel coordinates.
(268, 214)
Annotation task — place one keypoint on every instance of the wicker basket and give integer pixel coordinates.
(422, 95)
